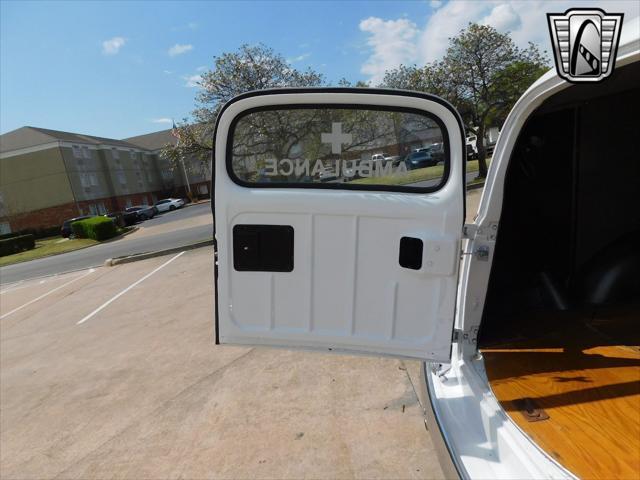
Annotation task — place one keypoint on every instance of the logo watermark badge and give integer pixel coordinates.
(585, 43)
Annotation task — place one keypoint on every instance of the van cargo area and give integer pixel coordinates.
(560, 332)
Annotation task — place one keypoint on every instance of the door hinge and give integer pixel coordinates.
(482, 253)
(457, 334)
(469, 231)
(473, 230)
(460, 336)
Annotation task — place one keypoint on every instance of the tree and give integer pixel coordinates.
(252, 67)
(482, 74)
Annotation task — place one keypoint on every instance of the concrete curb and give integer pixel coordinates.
(111, 262)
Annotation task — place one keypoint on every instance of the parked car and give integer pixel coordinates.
(437, 152)
(528, 345)
(66, 230)
(380, 157)
(420, 159)
(167, 204)
(124, 218)
(144, 212)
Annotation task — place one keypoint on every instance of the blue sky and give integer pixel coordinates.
(119, 69)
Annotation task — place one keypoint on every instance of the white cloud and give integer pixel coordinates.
(167, 72)
(179, 49)
(201, 68)
(299, 58)
(392, 42)
(192, 81)
(503, 18)
(162, 120)
(113, 45)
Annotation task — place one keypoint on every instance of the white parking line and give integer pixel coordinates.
(127, 289)
(47, 294)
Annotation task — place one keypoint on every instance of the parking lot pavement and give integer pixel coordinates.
(139, 390)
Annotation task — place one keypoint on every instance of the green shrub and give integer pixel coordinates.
(39, 232)
(9, 246)
(97, 228)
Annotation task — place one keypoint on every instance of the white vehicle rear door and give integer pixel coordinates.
(362, 260)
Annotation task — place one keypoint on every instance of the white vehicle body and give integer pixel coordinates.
(368, 310)
(472, 140)
(167, 204)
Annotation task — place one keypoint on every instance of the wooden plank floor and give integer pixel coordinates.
(590, 388)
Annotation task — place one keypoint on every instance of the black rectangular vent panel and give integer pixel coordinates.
(263, 248)
(411, 253)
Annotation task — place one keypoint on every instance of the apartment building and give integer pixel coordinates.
(193, 174)
(47, 176)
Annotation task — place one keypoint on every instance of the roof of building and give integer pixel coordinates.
(153, 141)
(25, 137)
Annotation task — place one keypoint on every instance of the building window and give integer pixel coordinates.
(85, 181)
(167, 175)
(129, 204)
(122, 179)
(86, 153)
(102, 210)
(92, 209)
(77, 152)
(115, 154)
(93, 179)
(5, 228)
(132, 154)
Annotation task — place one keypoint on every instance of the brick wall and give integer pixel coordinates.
(43, 218)
(54, 216)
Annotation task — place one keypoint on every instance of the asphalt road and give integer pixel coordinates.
(94, 256)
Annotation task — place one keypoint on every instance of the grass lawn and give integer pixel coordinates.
(414, 176)
(46, 247)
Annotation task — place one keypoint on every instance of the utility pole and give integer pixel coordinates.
(186, 177)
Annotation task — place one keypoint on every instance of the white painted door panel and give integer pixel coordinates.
(347, 291)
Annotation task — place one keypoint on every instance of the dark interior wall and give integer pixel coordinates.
(536, 230)
(609, 172)
(572, 192)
